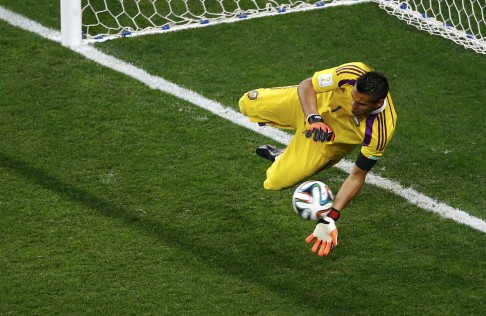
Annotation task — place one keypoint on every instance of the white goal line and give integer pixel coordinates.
(163, 85)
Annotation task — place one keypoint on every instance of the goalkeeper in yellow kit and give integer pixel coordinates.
(332, 112)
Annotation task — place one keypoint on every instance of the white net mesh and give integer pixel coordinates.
(107, 19)
(462, 21)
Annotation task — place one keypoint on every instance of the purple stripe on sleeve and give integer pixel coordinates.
(347, 81)
(369, 129)
(350, 67)
(353, 72)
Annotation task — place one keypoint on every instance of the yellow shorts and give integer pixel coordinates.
(303, 157)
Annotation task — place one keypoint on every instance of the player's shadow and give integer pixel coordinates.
(246, 268)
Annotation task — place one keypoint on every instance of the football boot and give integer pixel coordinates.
(269, 152)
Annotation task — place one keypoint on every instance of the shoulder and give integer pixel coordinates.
(347, 74)
(355, 69)
(337, 77)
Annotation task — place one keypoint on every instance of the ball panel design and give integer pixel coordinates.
(312, 200)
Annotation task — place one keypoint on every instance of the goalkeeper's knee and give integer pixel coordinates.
(243, 105)
(247, 107)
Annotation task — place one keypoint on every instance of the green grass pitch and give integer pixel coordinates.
(117, 199)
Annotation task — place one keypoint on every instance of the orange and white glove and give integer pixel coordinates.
(325, 233)
(321, 131)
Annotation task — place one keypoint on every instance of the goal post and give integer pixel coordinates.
(71, 23)
(91, 21)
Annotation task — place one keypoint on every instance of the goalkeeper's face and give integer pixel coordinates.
(363, 104)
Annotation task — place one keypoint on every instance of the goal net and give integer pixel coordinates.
(462, 21)
(108, 19)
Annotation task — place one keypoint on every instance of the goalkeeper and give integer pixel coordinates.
(332, 112)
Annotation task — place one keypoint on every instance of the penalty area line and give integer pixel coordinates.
(158, 83)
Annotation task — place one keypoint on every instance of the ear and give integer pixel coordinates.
(379, 104)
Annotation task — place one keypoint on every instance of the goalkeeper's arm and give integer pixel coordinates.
(326, 233)
(350, 187)
(307, 97)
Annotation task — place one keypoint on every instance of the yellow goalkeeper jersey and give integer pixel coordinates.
(373, 131)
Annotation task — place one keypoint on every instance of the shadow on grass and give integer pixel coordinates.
(248, 267)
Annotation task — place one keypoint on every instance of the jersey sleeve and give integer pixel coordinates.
(364, 163)
(334, 78)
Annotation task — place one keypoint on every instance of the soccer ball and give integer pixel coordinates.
(312, 200)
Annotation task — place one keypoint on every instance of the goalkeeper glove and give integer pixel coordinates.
(325, 233)
(322, 132)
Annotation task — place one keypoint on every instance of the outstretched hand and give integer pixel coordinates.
(326, 236)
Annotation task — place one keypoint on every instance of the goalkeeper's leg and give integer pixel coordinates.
(302, 158)
(279, 107)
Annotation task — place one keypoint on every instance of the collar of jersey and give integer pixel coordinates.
(381, 109)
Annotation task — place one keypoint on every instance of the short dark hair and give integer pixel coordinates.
(373, 83)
